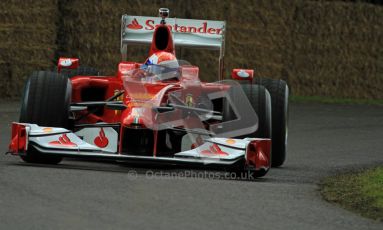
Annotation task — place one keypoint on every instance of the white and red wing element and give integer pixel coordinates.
(186, 32)
(105, 138)
(63, 141)
(49, 138)
(68, 141)
(96, 138)
(103, 142)
(217, 148)
(213, 151)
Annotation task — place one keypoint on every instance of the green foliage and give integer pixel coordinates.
(361, 192)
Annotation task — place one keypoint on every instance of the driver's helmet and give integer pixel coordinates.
(161, 63)
(162, 58)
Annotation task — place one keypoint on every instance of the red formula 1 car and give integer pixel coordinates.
(156, 111)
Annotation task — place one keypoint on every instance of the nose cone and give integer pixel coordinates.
(138, 116)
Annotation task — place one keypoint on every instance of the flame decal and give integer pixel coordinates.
(214, 150)
(63, 141)
(101, 140)
(134, 25)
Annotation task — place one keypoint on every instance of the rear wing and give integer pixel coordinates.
(191, 33)
(186, 32)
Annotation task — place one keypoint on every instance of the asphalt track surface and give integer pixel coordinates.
(323, 139)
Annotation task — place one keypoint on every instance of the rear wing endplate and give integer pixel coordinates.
(205, 34)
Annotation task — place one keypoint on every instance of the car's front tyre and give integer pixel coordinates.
(46, 102)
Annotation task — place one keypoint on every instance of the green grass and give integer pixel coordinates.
(361, 192)
(331, 100)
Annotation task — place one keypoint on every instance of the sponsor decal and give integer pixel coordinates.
(214, 150)
(243, 74)
(63, 141)
(101, 140)
(66, 62)
(47, 130)
(230, 141)
(189, 100)
(151, 25)
(134, 25)
(105, 138)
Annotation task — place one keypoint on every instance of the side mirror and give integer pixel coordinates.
(242, 74)
(67, 63)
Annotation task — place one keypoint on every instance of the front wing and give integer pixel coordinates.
(214, 151)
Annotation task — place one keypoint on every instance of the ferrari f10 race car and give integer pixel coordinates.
(157, 111)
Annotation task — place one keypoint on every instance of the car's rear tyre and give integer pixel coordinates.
(46, 102)
(279, 92)
(80, 71)
(260, 100)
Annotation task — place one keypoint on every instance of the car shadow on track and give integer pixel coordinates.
(141, 171)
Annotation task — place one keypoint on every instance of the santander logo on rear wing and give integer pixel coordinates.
(191, 26)
(186, 32)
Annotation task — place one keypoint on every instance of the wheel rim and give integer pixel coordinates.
(286, 111)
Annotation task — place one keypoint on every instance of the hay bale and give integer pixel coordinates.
(335, 50)
(328, 48)
(27, 41)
